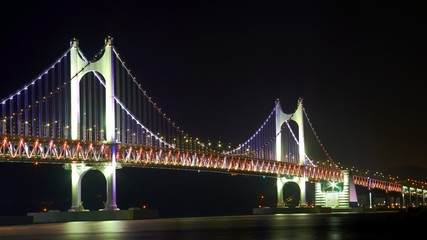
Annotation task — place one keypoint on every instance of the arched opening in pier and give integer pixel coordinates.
(291, 194)
(94, 190)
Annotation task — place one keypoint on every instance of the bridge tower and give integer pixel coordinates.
(79, 67)
(281, 118)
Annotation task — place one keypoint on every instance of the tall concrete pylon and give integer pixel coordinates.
(281, 118)
(105, 67)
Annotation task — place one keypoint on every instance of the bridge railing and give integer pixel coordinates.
(59, 151)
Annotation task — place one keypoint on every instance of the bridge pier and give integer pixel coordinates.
(281, 181)
(387, 200)
(416, 198)
(110, 174)
(77, 173)
(78, 170)
(424, 197)
(280, 201)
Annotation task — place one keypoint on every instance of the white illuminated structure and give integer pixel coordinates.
(281, 118)
(79, 67)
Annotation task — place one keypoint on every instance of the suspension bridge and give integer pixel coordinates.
(94, 115)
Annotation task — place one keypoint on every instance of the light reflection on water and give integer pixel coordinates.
(280, 226)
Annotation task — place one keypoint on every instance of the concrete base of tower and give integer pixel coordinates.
(266, 210)
(110, 208)
(57, 216)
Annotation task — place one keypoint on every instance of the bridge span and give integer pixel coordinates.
(94, 115)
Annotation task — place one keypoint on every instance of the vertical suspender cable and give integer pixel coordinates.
(118, 87)
(26, 112)
(89, 101)
(46, 105)
(53, 99)
(102, 129)
(144, 118)
(139, 112)
(130, 107)
(151, 120)
(160, 125)
(40, 108)
(154, 119)
(83, 101)
(66, 98)
(60, 101)
(123, 99)
(18, 114)
(96, 110)
(33, 110)
(3, 119)
(11, 117)
(134, 111)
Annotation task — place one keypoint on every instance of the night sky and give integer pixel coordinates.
(217, 69)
